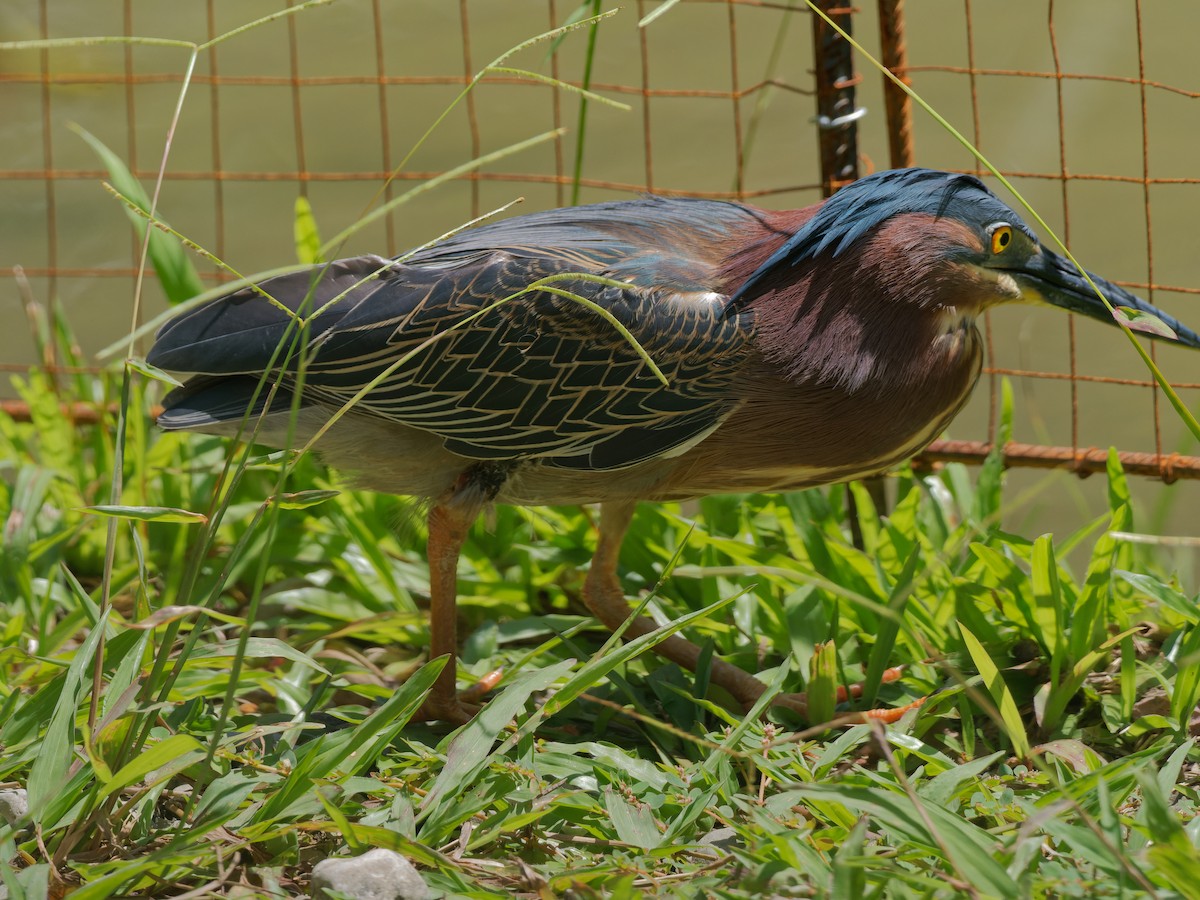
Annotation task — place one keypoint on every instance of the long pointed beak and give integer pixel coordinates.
(1055, 280)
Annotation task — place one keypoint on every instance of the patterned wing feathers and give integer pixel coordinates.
(536, 376)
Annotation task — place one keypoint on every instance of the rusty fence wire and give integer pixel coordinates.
(725, 101)
(1142, 46)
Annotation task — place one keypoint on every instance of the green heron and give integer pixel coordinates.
(799, 348)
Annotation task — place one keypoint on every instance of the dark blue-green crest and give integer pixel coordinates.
(860, 207)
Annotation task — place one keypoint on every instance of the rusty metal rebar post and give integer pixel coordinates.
(837, 135)
(837, 114)
(897, 104)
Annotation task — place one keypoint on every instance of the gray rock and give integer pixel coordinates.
(723, 838)
(13, 805)
(376, 875)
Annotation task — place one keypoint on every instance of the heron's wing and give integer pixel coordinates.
(450, 345)
(653, 242)
(537, 375)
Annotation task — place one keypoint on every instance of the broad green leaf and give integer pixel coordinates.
(50, 766)
(152, 372)
(258, 648)
(1168, 773)
(308, 238)
(148, 514)
(849, 879)
(1052, 698)
(1089, 621)
(889, 628)
(359, 745)
(169, 258)
(1118, 486)
(1010, 716)
(1019, 590)
(1048, 600)
(969, 850)
(603, 663)
(1155, 811)
(1165, 594)
(303, 499)
(939, 789)
(223, 798)
(821, 690)
(470, 748)
(166, 614)
(634, 823)
(988, 494)
(1153, 722)
(1175, 866)
(167, 757)
(1185, 694)
(1147, 323)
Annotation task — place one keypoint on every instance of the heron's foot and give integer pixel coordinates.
(454, 709)
(457, 708)
(748, 694)
(484, 686)
(888, 716)
(798, 703)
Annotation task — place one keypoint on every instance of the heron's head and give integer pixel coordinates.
(946, 244)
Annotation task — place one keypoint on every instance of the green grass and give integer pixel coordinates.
(210, 656)
(250, 713)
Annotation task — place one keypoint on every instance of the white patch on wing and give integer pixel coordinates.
(695, 439)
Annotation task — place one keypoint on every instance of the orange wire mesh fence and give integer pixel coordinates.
(1091, 108)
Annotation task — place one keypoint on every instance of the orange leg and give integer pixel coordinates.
(448, 526)
(603, 594)
(449, 521)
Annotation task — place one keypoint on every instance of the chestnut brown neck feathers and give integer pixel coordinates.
(837, 321)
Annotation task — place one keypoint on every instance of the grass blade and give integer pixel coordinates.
(1010, 716)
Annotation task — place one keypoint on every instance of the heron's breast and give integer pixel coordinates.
(788, 436)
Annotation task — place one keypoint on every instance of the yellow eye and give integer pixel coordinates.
(1001, 238)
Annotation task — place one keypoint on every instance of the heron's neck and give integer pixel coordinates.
(837, 325)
